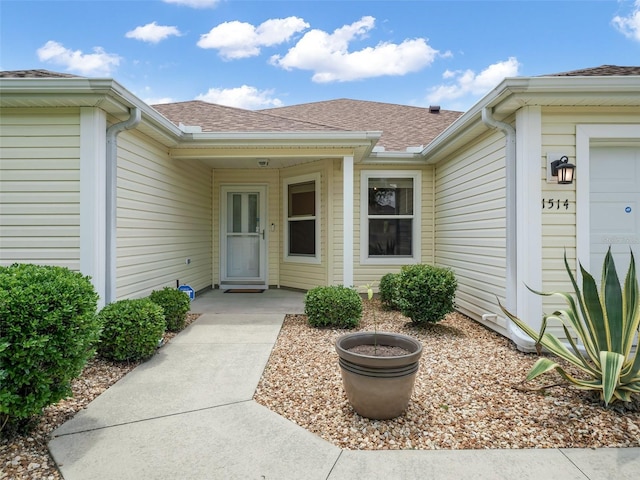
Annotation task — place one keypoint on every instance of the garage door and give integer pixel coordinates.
(614, 206)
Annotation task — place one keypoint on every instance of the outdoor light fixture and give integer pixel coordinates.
(562, 170)
(263, 162)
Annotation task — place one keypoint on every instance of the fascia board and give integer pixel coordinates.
(104, 93)
(354, 137)
(514, 93)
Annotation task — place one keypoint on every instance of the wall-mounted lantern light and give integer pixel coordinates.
(560, 170)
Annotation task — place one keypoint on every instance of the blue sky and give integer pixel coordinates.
(261, 54)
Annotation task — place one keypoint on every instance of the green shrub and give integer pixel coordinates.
(48, 330)
(389, 293)
(334, 306)
(175, 305)
(131, 329)
(606, 330)
(426, 293)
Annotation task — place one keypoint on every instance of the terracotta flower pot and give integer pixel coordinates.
(378, 387)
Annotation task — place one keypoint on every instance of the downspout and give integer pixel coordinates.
(135, 116)
(515, 334)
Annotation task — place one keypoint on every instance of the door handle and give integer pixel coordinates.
(263, 233)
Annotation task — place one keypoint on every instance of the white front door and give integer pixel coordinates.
(615, 206)
(243, 237)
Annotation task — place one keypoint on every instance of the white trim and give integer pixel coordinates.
(262, 189)
(585, 134)
(416, 175)
(93, 227)
(529, 214)
(347, 221)
(312, 177)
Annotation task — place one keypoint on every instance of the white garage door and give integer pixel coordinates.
(614, 206)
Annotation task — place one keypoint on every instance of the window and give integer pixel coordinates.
(302, 203)
(390, 217)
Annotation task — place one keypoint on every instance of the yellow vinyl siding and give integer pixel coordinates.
(164, 217)
(307, 275)
(336, 202)
(559, 226)
(40, 187)
(470, 223)
(258, 176)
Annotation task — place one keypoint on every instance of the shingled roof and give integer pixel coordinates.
(35, 74)
(601, 71)
(220, 118)
(402, 126)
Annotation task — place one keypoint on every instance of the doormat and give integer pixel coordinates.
(244, 290)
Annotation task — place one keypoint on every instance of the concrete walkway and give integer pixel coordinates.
(188, 414)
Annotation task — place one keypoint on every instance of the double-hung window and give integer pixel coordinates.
(390, 223)
(301, 209)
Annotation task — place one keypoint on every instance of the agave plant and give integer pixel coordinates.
(606, 330)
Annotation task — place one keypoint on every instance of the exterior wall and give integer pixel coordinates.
(40, 187)
(371, 274)
(164, 216)
(308, 275)
(559, 232)
(264, 176)
(470, 224)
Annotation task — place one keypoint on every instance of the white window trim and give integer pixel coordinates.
(416, 175)
(313, 177)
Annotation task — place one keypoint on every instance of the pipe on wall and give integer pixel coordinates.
(113, 131)
(520, 338)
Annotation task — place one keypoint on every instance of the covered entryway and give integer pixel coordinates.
(243, 239)
(614, 192)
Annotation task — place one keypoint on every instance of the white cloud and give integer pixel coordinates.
(97, 63)
(469, 83)
(629, 26)
(158, 101)
(195, 3)
(241, 40)
(152, 32)
(328, 55)
(241, 97)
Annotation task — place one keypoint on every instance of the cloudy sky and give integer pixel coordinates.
(261, 54)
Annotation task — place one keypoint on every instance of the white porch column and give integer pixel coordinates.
(93, 126)
(529, 214)
(347, 219)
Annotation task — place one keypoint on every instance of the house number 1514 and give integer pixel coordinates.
(554, 204)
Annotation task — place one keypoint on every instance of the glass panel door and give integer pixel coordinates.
(243, 238)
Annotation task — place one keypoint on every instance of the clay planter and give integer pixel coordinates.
(378, 387)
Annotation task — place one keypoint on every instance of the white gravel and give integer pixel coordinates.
(468, 394)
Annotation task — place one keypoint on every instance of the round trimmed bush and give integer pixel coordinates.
(389, 293)
(333, 306)
(48, 330)
(131, 329)
(175, 305)
(427, 293)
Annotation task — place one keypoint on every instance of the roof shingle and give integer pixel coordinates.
(220, 118)
(35, 74)
(402, 126)
(601, 71)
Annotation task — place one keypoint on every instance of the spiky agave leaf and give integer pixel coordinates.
(607, 329)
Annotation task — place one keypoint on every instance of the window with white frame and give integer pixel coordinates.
(390, 224)
(301, 209)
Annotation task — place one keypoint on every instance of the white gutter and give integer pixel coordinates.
(111, 197)
(523, 341)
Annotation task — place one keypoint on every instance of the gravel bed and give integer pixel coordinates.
(469, 393)
(27, 456)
